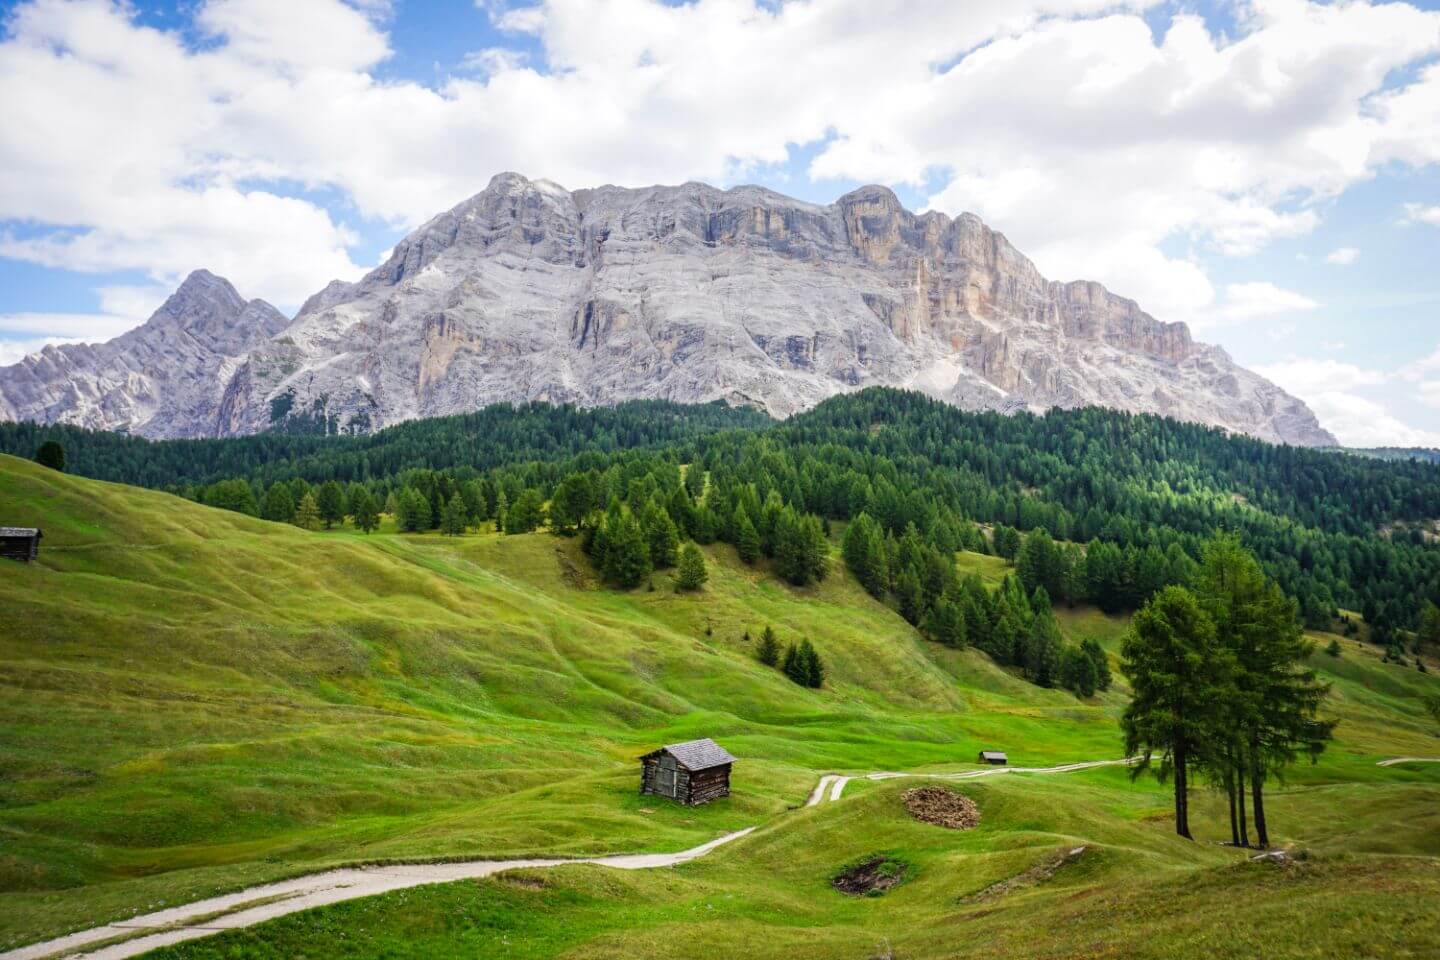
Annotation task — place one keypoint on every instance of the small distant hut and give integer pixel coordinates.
(993, 757)
(20, 543)
(693, 772)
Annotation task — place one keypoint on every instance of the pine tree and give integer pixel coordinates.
(863, 548)
(691, 574)
(331, 503)
(502, 506)
(768, 652)
(627, 554)
(279, 506)
(307, 514)
(661, 535)
(1180, 679)
(747, 538)
(363, 508)
(1092, 649)
(526, 513)
(414, 513)
(455, 517)
(813, 669)
(796, 666)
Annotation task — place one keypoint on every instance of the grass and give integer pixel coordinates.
(192, 701)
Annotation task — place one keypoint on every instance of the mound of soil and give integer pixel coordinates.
(870, 877)
(944, 808)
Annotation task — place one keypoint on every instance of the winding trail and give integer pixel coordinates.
(267, 901)
(137, 935)
(837, 783)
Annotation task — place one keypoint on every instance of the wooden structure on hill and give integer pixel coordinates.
(20, 543)
(693, 772)
(994, 758)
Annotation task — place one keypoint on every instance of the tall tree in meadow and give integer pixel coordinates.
(455, 517)
(307, 514)
(526, 513)
(768, 652)
(414, 515)
(1273, 714)
(660, 534)
(691, 573)
(331, 503)
(627, 554)
(1180, 677)
(365, 510)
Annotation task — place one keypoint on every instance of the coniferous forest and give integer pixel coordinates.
(1090, 505)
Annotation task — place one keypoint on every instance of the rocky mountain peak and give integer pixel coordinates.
(528, 291)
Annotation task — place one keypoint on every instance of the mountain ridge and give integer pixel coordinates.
(527, 291)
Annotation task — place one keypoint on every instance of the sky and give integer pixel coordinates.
(1265, 171)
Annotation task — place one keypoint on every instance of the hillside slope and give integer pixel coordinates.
(191, 699)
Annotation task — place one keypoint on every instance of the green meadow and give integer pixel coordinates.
(192, 701)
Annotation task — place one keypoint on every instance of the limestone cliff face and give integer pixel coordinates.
(165, 378)
(528, 291)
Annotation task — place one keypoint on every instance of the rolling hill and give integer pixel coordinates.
(193, 700)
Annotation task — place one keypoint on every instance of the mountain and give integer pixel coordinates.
(165, 378)
(528, 291)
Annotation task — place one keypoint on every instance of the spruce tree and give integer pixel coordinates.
(747, 538)
(279, 505)
(502, 506)
(796, 666)
(455, 517)
(691, 574)
(331, 503)
(661, 535)
(1180, 680)
(768, 652)
(809, 660)
(627, 554)
(365, 511)
(307, 514)
(863, 548)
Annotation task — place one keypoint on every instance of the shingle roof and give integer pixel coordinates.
(19, 532)
(697, 754)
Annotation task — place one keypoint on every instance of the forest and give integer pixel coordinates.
(1091, 505)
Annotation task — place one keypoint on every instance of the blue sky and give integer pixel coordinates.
(1267, 171)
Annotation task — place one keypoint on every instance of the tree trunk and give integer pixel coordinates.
(1240, 793)
(1182, 798)
(1230, 794)
(1257, 787)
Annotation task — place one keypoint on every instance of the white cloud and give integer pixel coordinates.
(1429, 393)
(1329, 387)
(85, 327)
(1303, 375)
(1344, 256)
(13, 351)
(1250, 302)
(1066, 123)
(1359, 421)
(1419, 213)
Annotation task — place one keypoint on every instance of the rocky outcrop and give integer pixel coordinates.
(165, 378)
(528, 291)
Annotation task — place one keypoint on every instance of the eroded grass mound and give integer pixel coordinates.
(871, 876)
(942, 807)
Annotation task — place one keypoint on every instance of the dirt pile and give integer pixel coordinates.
(870, 877)
(942, 807)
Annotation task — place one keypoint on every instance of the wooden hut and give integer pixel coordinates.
(20, 543)
(994, 758)
(694, 772)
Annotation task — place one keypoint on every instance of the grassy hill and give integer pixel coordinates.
(192, 700)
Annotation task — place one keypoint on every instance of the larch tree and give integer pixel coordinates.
(691, 574)
(1179, 676)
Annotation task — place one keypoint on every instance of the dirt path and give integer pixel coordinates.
(836, 783)
(132, 937)
(265, 902)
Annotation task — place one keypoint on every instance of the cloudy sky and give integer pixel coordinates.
(1266, 171)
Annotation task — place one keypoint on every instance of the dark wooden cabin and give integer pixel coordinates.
(19, 543)
(694, 772)
(994, 757)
